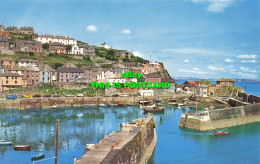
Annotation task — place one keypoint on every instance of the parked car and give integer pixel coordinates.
(69, 95)
(124, 95)
(56, 95)
(106, 96)
(36, 96)
(80, 95)
(91, 96)
(46, 95)
(9, 96)
(115, 95)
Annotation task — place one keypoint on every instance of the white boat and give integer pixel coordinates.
(181, 105)
(53, 107)
(2, 142)
(101, 105)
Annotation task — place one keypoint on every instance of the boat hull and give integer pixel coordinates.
(37, 157)
(5, 143)
(220, 133)
(22, 147)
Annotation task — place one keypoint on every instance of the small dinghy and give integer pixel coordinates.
(221, 132)
(89, 105)
(120, 104)
(102, 105)
(53, 107)
(37, 157)
(22, 147)
(2, 143)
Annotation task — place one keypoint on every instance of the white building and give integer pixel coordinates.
(149, 92)
(83, 50)
(28, 63)
(53, 38)
(105, 45)
(202, 90)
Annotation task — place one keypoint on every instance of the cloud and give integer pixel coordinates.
(245, 75)
(246, 56)
(91, 28)
(125, 31)
(248, 61)
(136, 53)
(192, 71)
(245, 69)
(195, 69)
(188, 50)
(228, 60)
(215, 68)
(186, 61)
(215, 5)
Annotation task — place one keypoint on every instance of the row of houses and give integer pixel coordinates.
(32, 72)
(202, 90)
(16, 30)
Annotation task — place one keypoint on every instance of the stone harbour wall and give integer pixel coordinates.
(222, 118)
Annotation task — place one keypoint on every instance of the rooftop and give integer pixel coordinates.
(70, 70)
(10, 74)
(225, 80)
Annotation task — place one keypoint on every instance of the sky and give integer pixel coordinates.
(193, 38)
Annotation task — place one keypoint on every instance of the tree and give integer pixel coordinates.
(206, 82)
(68, 48)
(45, 46)
(125, 60)
(31, 54)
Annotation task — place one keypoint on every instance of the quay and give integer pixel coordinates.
(133, 143)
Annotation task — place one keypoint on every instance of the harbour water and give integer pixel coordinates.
(79, 126)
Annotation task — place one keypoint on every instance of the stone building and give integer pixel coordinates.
(26, 30)
(4, 44)
(12, 29)
(7, 63)
(47, 74)
(153, 78)
(56, 47)
(31, 74)
(70, 75)
(123, 54)
(28, 46)
(226, 82)
(172, 84)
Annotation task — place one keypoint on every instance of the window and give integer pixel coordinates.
(6, 82)
(15, 82)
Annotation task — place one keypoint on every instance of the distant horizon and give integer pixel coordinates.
(209, 39)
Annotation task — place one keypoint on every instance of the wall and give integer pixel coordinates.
(124, 146)
(222, 118)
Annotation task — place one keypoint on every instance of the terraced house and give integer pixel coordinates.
(7, 62)
(56, 47)
(28, 63)
(70, 75)
(53, 38)
(26, 30)
(31, 74)
(83, 50)
(11, 81)
(47, 74)
(28, 46)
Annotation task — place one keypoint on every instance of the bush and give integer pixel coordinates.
(31, 54)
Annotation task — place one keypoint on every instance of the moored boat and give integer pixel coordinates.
(89, 105)
(37, 157)
(2, 143)
(222, 132)
(101, 105)
(120, 104)
(53, 107)
(22, 147)
(155, 109)
(110, 105)
(157, 101)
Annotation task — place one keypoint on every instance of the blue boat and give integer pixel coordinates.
(157, 101)
(11, 96)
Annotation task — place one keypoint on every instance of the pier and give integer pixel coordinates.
(133, 143)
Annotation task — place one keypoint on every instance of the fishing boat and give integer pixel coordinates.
(221, 132)
(102, 105)
(89, 105)
(148, 106)
(2, 143)
(120, 104)
(37, 157)
(155, 109)
(172, 102)
(181, 105)
(22, 147)
(53, 107)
